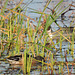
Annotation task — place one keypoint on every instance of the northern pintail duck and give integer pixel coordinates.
(17, 60)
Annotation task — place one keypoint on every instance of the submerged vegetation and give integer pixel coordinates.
(20, 36)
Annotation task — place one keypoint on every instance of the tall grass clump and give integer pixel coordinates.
(20, 36)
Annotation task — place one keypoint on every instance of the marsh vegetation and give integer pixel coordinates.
(26, 39)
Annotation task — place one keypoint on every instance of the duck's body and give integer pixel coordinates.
(17, 60)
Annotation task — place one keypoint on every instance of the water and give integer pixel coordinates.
(39, 5)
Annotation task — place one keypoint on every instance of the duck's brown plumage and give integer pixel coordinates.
(17, 59)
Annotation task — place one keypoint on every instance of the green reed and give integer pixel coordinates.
(26, 63)
(60, 40)
(72, 45)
